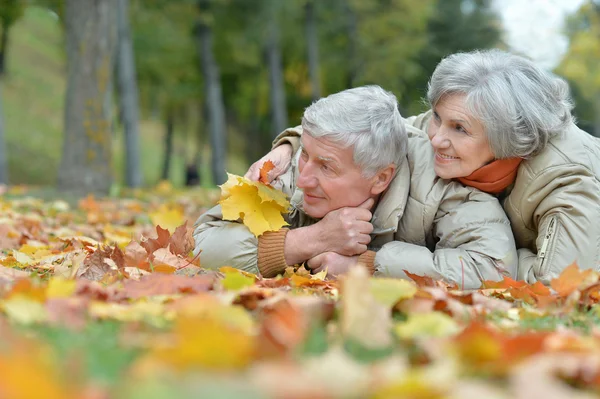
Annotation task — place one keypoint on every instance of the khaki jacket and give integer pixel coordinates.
(424, 224)
(554, 205)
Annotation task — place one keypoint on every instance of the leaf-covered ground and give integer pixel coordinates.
(96, 301)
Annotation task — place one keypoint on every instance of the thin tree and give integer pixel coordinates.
(312, 44)
(128, 96)
(213, 92)
(275, 64)
(3, 154)
(10, 12)
(90, 40)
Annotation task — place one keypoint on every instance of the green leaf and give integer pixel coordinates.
(388, 291)
(236, 281)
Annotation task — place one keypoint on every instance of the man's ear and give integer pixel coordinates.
(382, 179)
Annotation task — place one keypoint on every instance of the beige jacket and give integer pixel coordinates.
(554, 205)
(424, 224)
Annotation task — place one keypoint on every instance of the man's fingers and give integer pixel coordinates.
(254, 172)
(364, 227)
(364, 239)
(315, 262)
(368, 204)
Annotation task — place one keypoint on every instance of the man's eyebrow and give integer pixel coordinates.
(326, 159)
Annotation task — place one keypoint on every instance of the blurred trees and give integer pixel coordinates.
(224, 76)
(580, 65)
(456, 25)
(128, 96)
(215, 109)
(10, 11)
(90, 41)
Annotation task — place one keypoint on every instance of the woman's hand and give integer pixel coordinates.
(281, 157)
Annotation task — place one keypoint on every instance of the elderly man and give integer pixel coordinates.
(362, 190)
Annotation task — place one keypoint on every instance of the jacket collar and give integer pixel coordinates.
(393, 202)
(390, 207)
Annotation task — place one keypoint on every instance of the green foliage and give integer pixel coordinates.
(456, 25)
(580, 64)
(10, 12)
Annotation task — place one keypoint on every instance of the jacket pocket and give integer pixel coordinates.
(546, 252)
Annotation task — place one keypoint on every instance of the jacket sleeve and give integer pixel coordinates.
(420, 121)
(475, 243)
(567, 219)
(289, 136)
(225, 243)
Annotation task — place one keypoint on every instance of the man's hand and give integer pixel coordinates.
(335, 264)
(346, 230)
(280, 156)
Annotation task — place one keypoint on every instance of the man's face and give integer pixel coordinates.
(329, 178)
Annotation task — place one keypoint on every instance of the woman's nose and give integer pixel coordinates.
(440, 139)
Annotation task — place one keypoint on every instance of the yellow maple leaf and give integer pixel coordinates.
(259, 206)
(167, 217)
(60, 288)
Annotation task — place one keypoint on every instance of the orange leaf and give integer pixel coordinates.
(264, 170)
(572, 279)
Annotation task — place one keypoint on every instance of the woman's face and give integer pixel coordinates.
(459, 141)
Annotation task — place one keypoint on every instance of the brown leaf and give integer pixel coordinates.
(161, 241)
(181, 242)
(166, 284)
(101, 262)
(283, 327)
(136, 256)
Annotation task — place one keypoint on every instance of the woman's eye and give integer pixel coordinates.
(460, 129)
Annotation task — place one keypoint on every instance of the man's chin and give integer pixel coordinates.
(314, 212)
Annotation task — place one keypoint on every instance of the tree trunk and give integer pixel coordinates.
(170, 125)
(312, 44)
(3, 154)
(86, 164)
(213, 97)
(128, 91)
(352, 26)
(276, 81)
(3, 48)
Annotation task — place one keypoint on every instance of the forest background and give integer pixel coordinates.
(101, 94)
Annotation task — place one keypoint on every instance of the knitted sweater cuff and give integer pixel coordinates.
(271, 258)
(368, 259)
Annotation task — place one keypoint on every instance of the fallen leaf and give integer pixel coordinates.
(363, 318)
(167, 216)
(264, 171)
(433, 324)
(166, 284)
(388, 291)
(572, 278)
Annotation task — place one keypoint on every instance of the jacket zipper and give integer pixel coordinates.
(546, 243)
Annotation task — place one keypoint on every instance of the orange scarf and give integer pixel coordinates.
(494, 177)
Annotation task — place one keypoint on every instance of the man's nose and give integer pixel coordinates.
(306, 179)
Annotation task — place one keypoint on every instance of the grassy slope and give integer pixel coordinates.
(33, 95)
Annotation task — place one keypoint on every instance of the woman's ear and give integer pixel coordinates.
(382, 179)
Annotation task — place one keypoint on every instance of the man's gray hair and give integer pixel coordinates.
(520, 105)
(364, 118)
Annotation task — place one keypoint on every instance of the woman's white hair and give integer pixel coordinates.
(364, 118)
(520, 105)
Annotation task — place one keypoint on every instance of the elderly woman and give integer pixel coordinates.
(503, 125)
